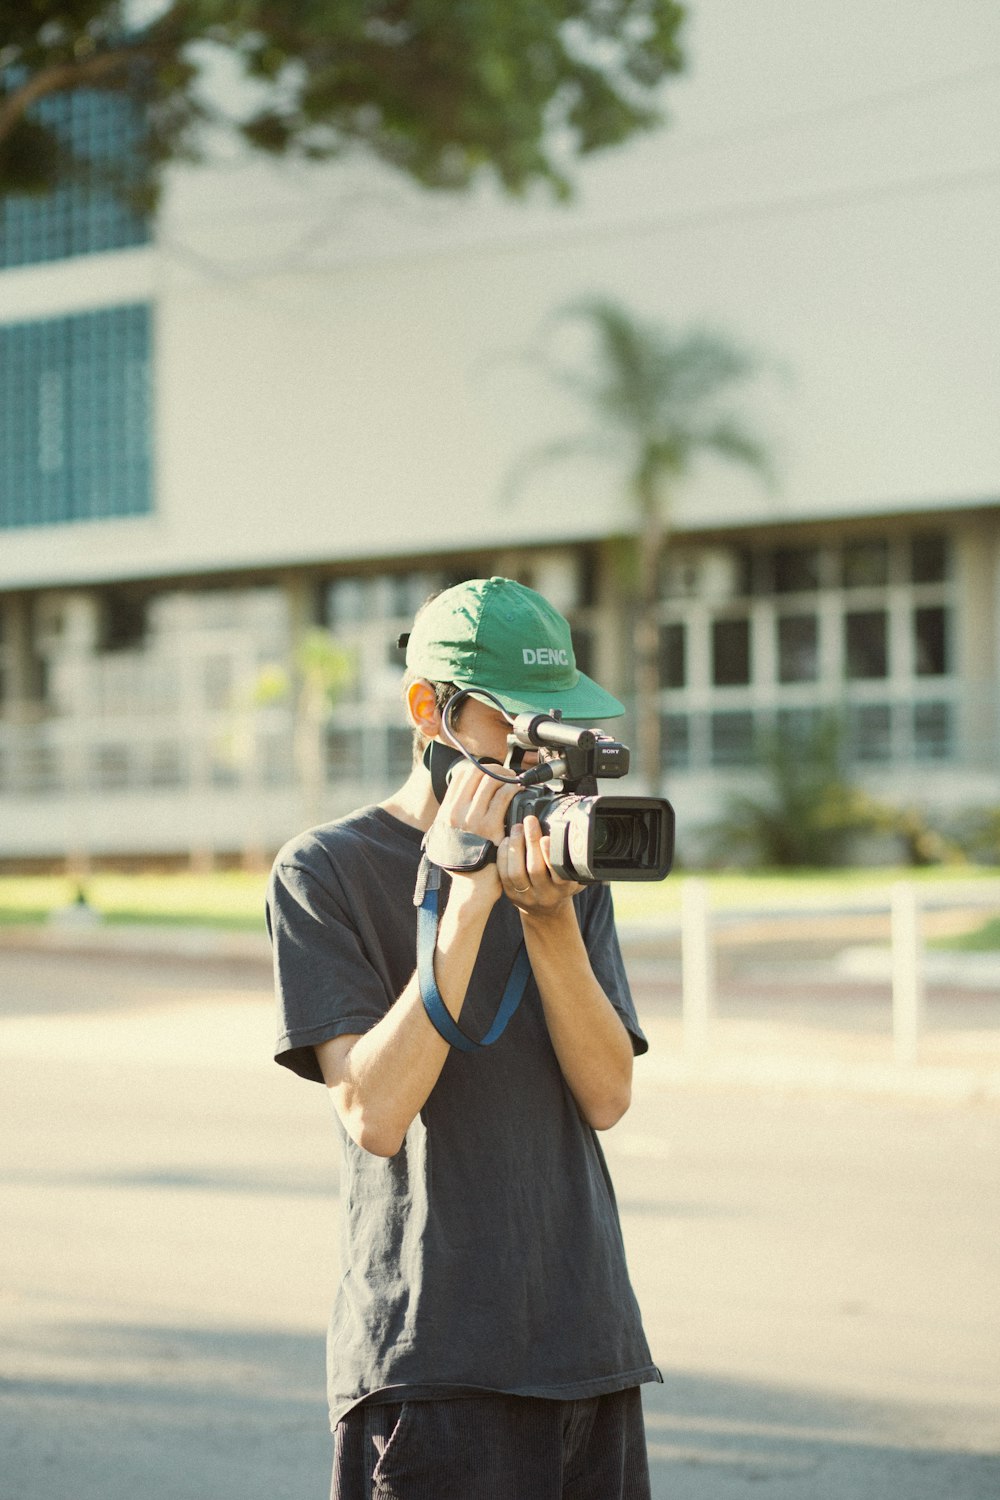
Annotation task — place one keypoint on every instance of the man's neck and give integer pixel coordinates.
(415, 802)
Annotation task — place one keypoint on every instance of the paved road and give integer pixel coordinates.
(817, 1267)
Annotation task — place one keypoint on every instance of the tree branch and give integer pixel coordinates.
(57, 79)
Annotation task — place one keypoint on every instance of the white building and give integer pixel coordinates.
(295, 403)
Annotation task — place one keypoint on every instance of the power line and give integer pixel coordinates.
(704, 215)
(821, 198)
(863, 104)
(295, 257)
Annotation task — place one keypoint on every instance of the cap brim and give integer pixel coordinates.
(586, 700)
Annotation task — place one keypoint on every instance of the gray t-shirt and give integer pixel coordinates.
(487, 1254)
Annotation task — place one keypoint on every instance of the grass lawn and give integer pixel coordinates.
(235, 900)
(232, 900)
(984, 939)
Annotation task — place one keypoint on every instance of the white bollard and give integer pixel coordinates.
(907, 974)
(697, 965)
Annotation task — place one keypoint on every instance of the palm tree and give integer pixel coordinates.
(322, 669)
(804, 810)
(659, 401)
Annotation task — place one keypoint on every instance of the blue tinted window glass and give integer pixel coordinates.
(79, 218)
(75, 417)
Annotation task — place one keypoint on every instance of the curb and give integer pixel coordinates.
(197, 944)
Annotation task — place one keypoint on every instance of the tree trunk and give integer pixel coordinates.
(647, 643)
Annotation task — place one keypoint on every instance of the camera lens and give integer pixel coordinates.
(622, 837)
(610, 838)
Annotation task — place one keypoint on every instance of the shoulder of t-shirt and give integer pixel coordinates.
(318, 850)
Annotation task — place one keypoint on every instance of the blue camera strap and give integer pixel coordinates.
(426, 899)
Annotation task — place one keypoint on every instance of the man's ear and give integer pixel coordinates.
(421, 705)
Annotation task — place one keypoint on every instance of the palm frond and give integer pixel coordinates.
(701, 365)
(729, 439)
(558, 451)
(626, 382)
(658, 397)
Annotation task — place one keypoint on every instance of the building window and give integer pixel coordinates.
(749, 566)
(673, 656)
(796, 570)
(730, 653)
(823, 629)
(223, 770)
(109, 767)
(866, 644)
(75, 418)
(801, 729)
(929, 558)
(932, 731)
(676, 742)
(865, 565)
(871, 732)
(218, 680)
(274, 760)
(798, 648)
(930, 642)
(346, 602)
(166, 764)
(80, 217)
(344, 754)
(583, 650)
(40, 769)
(732, 739)
(399, 751)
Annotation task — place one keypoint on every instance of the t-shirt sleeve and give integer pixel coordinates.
(597, 922)
(325, 986)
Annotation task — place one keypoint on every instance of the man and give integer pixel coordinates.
(485, 1342)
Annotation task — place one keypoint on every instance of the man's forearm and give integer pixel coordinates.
(589, 1038)
(381, 1080)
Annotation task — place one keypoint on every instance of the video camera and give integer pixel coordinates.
(591, 837)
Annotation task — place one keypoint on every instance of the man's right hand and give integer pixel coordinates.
(477, 804)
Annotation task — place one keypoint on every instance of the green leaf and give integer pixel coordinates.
(441, 89)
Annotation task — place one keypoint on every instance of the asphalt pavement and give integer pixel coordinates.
(812, 1235)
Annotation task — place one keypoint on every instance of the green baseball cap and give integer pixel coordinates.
(504, 638)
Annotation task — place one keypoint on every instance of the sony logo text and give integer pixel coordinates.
(545, 656)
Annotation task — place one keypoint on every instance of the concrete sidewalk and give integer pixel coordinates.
(789, 1014)
(816, 1264)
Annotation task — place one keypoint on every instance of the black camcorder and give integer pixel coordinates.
(592, 837)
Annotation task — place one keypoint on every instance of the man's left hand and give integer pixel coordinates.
(527, 877)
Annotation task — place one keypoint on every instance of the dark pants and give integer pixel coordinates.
(493, 1448)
